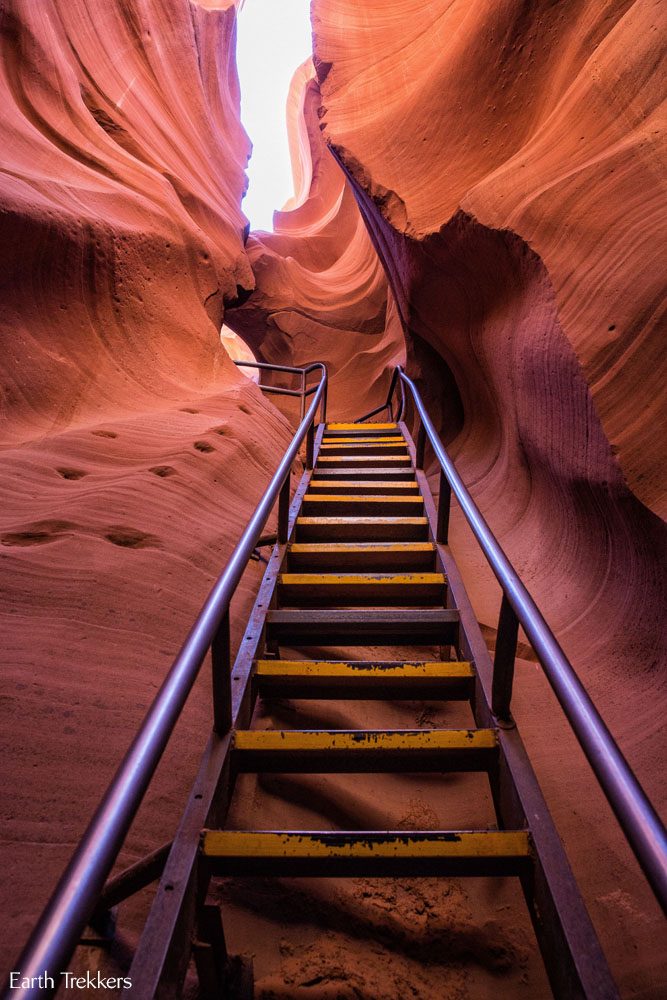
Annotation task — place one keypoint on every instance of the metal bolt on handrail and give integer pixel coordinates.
(634, 811)
(59, 928)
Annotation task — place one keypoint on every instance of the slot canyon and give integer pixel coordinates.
(480, 196)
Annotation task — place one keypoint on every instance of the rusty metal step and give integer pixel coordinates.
(364, 679)
(400, 487)
(363, 627)
(367, 853)
(361, 529)
(363, 556)
(355, 751)
(374, 505)
(364, 446)
(359, 459)
(341, 473)
(359, 430)
(345, 589)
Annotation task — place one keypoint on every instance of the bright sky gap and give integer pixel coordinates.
(274, 38)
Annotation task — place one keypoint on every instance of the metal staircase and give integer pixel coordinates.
(361, 561)
(362, 569)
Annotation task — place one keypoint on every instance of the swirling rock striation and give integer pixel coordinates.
(133, 451)
(509, 161)
(122, 171)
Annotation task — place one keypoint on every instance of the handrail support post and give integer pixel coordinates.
(283, 512)
(221, 663)
(421, 446)
(444, 507)
(310, 446)
(503, 663)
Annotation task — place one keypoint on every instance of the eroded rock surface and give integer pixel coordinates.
(509, 162)
(121, 232)
(133, 452)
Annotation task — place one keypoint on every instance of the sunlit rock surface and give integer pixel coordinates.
(509, 161)
(321, 292)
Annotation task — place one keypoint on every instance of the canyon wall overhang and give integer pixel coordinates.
(544, 124)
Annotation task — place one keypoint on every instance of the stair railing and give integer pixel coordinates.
(303, 391)
(635, 813)
(74, 900)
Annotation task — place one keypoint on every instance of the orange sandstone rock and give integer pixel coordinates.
(121, 228)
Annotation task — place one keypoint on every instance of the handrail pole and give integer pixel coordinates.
(59, 928)
(503, 662)
(221, 665)
(303, 395)
(638, 819)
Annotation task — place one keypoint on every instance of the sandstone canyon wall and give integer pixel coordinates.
(122, 232)
(509, 160)
(132, 449)
(504, 159)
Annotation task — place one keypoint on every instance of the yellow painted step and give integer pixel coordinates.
(342, 459)
(370, 498)
(384, 670)
(366, 485)
(343, 504)
(336, 529)
(367, 852)
(362, 427)
(384, 751)
(321, 589)
(370, 448)
(335, 442)
(294, 740)
(364, 679)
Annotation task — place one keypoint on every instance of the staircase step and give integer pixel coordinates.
(359, 429)
(359, 439)
(357, 460)
(364, 556)
(322, 589)
(362, 529)
(383, 679)
(400, 487)
(363, 447)
(355, 751)
(367, 853)
(314, 504)
(338, 474)
(363, 627)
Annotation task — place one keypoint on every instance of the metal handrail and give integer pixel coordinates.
(303, 392)
(638, 819)
(59, 929)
